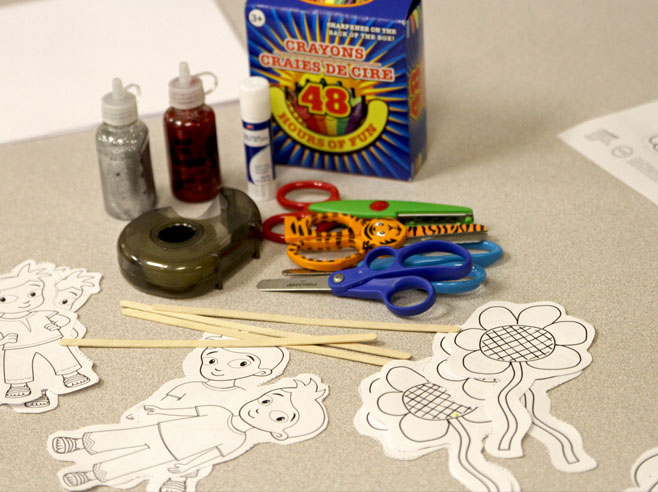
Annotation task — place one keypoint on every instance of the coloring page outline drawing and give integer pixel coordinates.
(420, 414)
(212, 376)
(37, 307)
(517, 344)
(121, 456)
(562, 441)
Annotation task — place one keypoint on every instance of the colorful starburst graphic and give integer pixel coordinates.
(341, 99)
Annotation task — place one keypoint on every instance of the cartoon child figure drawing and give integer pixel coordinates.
(27, 331)
(222, 370)
(288, 412)
(223, 375)
(75, 288)
(72, 289)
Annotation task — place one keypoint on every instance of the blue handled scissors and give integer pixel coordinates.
(489, 253)
(364, 282)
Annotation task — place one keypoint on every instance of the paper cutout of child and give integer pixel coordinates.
(223, 375)
(26, 331)
(288, 412)
(72, 290)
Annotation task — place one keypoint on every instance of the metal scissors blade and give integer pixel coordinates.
(317, 283)
(363, 282)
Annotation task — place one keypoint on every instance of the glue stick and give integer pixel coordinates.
(256, 110)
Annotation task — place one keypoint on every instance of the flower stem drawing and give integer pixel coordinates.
(485, 386)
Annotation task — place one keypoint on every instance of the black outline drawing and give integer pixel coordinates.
(382, 418)
(563, 442)
(36, 323)
(121, 456)
(400, 425)
(514, 349)
(213, 377)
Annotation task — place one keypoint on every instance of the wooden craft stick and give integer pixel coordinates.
(293, 320)
(314, 349)
(262, 342)
(223, 323)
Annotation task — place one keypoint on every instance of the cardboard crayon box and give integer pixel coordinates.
(346, 80)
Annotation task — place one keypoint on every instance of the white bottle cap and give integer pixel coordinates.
(186, 91)
(119, 107)
(262, 192)
(255, 102)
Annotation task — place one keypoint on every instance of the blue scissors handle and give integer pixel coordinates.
(489, 253)
(471, 282)
(365, 283)
(383, 289)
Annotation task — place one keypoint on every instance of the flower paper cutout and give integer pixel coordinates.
(517, 345)
(537, 336)
(425, 409)
(421, 412)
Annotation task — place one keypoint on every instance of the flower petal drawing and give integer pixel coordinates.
(495, 316)
(402, 378)
(438, 413)
(539, 315)
(568, 332)
(561, 358)
(518, 345)
(421, 430)
(479, 363)
(391, 404)
(469, 339)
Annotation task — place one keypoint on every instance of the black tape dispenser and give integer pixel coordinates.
(165, 254)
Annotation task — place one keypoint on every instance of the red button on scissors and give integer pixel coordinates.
(300, 208)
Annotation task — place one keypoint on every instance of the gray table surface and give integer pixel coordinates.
(503, 79)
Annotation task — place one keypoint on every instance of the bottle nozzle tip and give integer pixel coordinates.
(118, 90)
(184, 73)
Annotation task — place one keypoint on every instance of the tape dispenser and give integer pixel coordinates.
(165, 254)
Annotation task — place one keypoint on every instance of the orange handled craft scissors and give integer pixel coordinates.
(362, 235)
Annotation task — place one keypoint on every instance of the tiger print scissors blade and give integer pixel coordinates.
(362, 235)
(382, 284)
(409, 213)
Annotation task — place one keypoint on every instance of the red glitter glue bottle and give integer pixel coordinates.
(191, 138)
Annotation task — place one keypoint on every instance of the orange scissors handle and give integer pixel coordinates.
(296, 253)
(359, 234)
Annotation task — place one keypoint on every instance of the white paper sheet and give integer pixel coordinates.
(625, 144)
(59, 58)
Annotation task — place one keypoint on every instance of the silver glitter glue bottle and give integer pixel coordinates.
(124, 156)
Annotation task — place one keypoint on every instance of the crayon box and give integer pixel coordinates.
(346, 80)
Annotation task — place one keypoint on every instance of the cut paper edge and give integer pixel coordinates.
(644, 472)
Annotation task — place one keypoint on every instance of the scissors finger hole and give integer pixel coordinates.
(380, 258)
(326, 255)
(307, 196)
(304, 190)
(409, 297)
